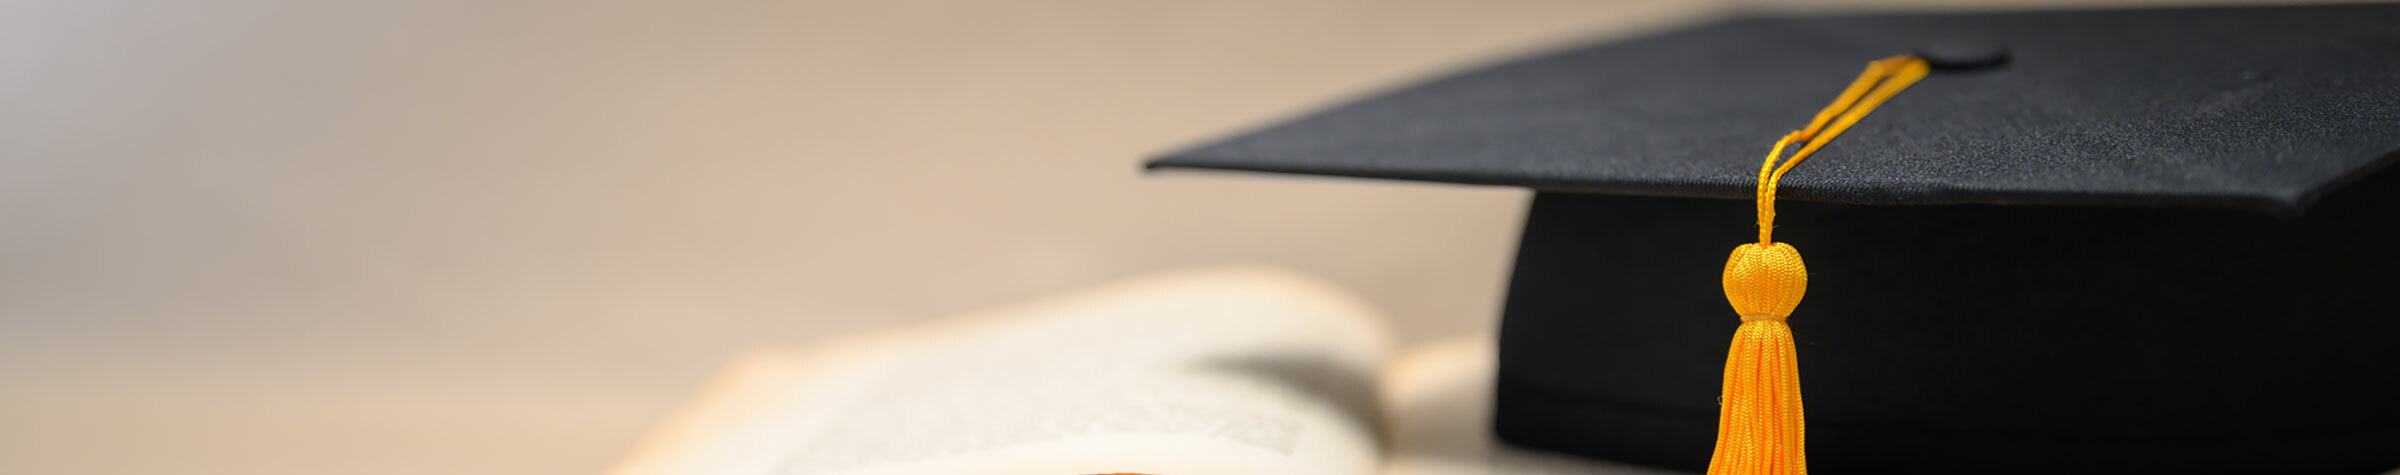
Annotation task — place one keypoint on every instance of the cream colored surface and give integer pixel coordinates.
(464, 237)
(1437, 412)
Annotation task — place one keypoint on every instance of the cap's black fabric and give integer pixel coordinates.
(2260, 107)
(1974, 339)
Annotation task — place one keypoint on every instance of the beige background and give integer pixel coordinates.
(461, 237)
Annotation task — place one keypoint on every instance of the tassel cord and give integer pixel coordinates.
(1863, 96)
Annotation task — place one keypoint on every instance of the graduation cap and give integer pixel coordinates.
(2142, 240)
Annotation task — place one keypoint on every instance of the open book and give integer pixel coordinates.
(1227, 371)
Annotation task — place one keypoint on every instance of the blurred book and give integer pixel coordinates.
(1223, 371)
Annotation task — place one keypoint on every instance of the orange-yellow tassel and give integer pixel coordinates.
(1759, 423)
(1760, 429)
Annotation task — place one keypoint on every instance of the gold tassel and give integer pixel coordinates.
(1759, 424)
(1760, 429)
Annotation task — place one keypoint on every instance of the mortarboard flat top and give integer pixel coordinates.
(2258, 108)
(2152, 323)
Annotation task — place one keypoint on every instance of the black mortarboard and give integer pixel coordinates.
(2144, 240)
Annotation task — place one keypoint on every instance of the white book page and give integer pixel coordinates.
(1216, 372)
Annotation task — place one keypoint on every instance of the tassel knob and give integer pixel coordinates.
(1765, 280)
